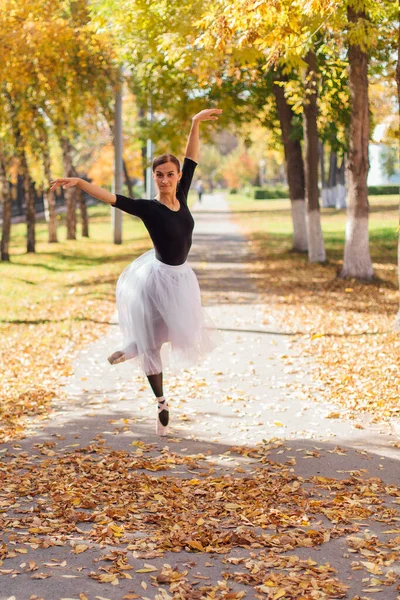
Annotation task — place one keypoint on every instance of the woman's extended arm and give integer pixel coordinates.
(192, 146)
(94, 190)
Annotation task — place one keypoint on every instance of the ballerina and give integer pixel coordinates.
(158, 295)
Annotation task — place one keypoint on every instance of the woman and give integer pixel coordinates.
(158, 296)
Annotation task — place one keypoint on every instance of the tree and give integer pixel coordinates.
(294, 166)
(5, 202)
(54, 76)
(316, 249)
(175, 53)
(357, 261)
(397, 321)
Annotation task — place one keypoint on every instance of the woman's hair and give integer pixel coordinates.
(164, 158)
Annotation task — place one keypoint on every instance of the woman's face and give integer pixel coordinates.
(166, 177)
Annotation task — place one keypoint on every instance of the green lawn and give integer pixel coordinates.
(48, 276)
(273, 217)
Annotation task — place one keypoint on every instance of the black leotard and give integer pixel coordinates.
(170, 231)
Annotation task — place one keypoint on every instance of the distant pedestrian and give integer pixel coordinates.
(158, 295)
(199, 189)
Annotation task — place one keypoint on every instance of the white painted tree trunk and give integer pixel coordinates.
(316, 247)
(300, 243)
(334, 197)
(340, 196)
(357, 262)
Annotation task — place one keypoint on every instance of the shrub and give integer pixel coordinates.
(270, 193)
(381, 190)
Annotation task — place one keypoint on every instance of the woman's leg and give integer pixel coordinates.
(156, 383)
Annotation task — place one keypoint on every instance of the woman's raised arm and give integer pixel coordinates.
(92, 189)
(192, 146)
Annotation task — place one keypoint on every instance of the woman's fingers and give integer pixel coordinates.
(208, 114)
(65, 183)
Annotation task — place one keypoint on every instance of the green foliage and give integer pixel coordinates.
(383, 190)
(270, 193)
(389, 160)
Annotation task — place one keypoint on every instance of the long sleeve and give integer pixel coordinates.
(138, 208)
(188, 169)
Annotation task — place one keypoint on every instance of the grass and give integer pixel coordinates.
(273, 217)
(48, 276)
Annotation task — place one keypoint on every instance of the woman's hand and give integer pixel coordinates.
(192, 146)
(209, 114)
(65, 182)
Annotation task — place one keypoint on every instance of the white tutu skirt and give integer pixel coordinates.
(159, 308)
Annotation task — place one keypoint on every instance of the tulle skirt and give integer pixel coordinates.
(159, 307)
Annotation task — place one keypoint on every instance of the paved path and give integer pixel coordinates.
(241, 395)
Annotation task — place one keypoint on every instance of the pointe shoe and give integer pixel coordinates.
(117, 357)
(161, 429)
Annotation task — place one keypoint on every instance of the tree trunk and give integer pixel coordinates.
(49, 199)
(84, 213)
(127, 180)
(341, 186)
(294, 169)
(316, 249)
(321, 146)
(70, 194)
(397, 321)
(357, 261)
(5, 200)
(80, 199)
(24, 172)
(29, 202)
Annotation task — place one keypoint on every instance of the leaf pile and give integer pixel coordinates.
(36, 354)
(304, 579)
(130, 504)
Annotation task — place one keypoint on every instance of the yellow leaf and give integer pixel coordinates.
(279, 594)
(278, 424)
(196, 545)
(333, 415)
(79, 548)
(108, 577)
(127, 576)
(147, 570)
(372, 567)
